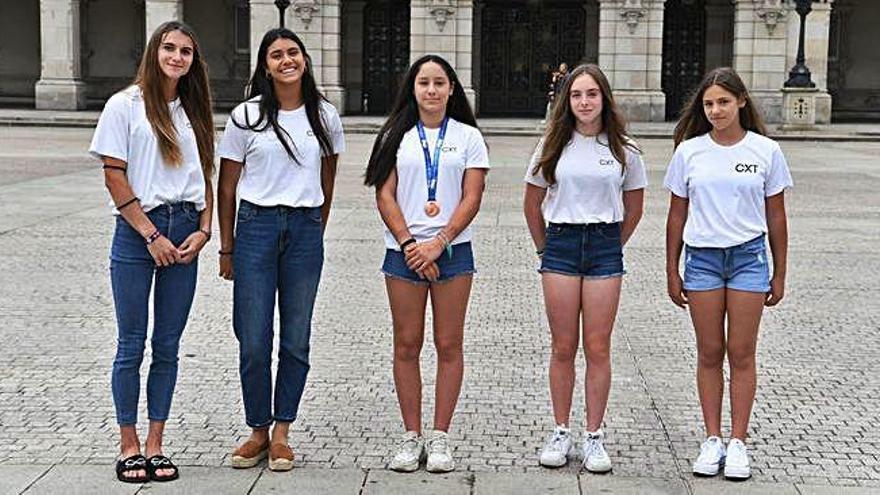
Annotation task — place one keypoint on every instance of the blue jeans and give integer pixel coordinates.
(132, 274)
(279, 250)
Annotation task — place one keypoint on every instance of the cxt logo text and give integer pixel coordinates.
(747, 168)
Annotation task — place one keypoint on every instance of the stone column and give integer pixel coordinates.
(264, 16)
(60, 86)
(816, 51)
(159, 11)
(445, 28)
(760, 50)
(631, 55)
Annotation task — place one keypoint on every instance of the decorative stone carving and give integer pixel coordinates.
(305, 10)
(632, 12)
(442, 10)
(771, 12)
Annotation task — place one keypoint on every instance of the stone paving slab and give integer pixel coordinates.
(630, 486)
(198, 480)
(82, 480)
(720, 486)
(15, 479)
(391, 483)
(526, 484)
(310, 480)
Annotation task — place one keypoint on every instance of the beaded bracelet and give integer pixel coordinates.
(152, 237)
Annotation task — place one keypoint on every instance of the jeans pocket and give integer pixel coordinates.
(246, 212)
(314, 214)
(192, 214)
(553, 230)
(610, 231)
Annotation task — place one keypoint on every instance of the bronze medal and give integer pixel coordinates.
(432, 208)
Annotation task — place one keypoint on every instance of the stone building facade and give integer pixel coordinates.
(72, 54)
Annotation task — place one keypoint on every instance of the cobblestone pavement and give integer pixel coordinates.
(815, 420)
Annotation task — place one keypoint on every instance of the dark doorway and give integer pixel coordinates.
(853, 61)
(521, 43)
(386, 53)
(684, 48)
(113, 41)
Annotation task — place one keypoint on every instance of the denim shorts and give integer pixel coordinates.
(461, 263)
(743, 267)
(590, 250)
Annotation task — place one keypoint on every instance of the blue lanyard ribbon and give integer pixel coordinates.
(432, 167)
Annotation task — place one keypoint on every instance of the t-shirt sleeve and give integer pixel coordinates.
(337, 134)
(532, 178)
(675, 179)
(779, 176)
(112, 132)
(634, 177)
(233, 144)
(477, 154)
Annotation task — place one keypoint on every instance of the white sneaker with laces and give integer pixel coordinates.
(410, 452)
(439, 454)
(596, 460)
(737, 465)
(557, 449)
(711, 457)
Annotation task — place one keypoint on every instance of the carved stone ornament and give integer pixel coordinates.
(632, 12)
(771, 12)
(305, 10)
(442, 11)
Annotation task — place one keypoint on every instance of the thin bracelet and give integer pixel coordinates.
(114, 167)
(153, 237)
(225, 253)
(206, 232)
(130, 201)
(406, 243)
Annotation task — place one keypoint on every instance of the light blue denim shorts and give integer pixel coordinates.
(743, 267)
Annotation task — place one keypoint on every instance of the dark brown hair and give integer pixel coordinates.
(195, 98)
(562, 124)
(693, 121)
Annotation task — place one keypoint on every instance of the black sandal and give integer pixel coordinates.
(130, 464)
(158, 462)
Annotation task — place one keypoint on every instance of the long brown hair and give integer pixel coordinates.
(195, 97)
(562, 124)
(693, 121)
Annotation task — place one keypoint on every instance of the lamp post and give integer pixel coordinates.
(283, 4)
(799, 76)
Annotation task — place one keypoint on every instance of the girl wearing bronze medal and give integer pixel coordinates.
(428, 166)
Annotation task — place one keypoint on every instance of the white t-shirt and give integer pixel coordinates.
(726, 186)
(589, 184)
(123, 132)
(270, 177)
(463, 148)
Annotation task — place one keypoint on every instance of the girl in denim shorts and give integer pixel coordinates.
(156, 140)
(428, 165)
(727, 182)
(279, 152)
(586, 178)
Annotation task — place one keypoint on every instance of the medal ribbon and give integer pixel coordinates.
(432, 167)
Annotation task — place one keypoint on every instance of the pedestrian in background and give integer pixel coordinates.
(428, 165)
(586, 178)
(279, 151)
(156, 140)
(727, 183)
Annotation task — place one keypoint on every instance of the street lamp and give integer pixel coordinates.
(282, 6)
(799, 76)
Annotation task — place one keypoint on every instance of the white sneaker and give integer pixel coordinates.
(711, 457)
(557, 449)
(439, 455)
(737, 465)
(410, 452)
(596, 460)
